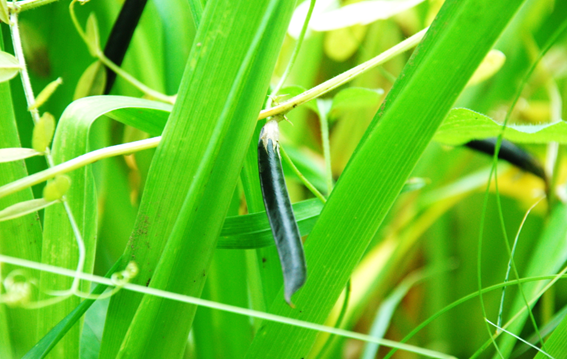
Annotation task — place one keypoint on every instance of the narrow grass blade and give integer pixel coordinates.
(204, 141)
(253, 230)
(278, 208)
(556, 344)
(458, 40)
(59, 241)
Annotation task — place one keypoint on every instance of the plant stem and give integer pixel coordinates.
(304, 180)
(344, 77)
(294, 55)
(99, 54)
(324, 121)
(30, 99)
(279, 109)
(223, 307)
(78, 162)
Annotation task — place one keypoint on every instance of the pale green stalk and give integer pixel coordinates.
(30, 99)
(343, 78)
(78, 162)
(224, 307)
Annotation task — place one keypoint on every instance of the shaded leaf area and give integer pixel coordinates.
(463, 125)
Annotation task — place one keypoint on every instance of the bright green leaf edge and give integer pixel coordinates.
(463, 125)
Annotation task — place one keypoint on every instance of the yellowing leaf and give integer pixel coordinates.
(23, 208)
(9, 66)
(92, 81)
(488, 67)
(16, 153)
(56, 188)
(43, 132)
(4, 15)
(46, 93)
(342, 43)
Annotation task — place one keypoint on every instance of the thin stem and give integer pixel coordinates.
(78, 162)
(301, 176)
(223, 307)
(506, 277)
(99, 54)
(279, 109)
(30, 99)
(344, 77)
(19, 53)
(324, 121)
(518, 93)
(553, 278)
(294, 55)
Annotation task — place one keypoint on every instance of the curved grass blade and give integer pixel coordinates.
(510, 153)
(121, 35)
(278, 208)
(253, 230)
(44, 346)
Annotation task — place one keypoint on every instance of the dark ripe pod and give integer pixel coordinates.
(511, 154)
(121, 35)
(279, 211)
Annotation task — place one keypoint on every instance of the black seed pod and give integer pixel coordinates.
(511, 154)
(121, 35)
(279, 211)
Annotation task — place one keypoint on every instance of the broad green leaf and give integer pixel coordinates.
(9, 66)
(14, 241)
(463, 125)
(353, 98)
(456, 43)
(205, 141)
(15, 154)
(22, 208)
